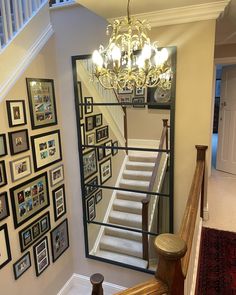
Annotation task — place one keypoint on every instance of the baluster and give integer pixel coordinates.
(16, 15)
(145, 204)
(97, 280)
(4, 22)
(25, 7)
(9, 19)
(30, 7)
(37, 4)
(20, 13)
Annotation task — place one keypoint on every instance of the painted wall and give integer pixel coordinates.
(54, 277)
(226, 50)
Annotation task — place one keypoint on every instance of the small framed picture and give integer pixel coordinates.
(98, 120)
(41, 256)
(20, 168)
(3, 175)
(42, 102)
(59, 202)
(105, 170)
(59, 240)
(89, 163)
(90, 138)
(56, 175)
(114, 150)
(100, 152)
(102, 133)
(108, 151)
(88, 105)
(138, 102)
(89, 123)
(140, 91)
(5, 250)
(18, 141)
(21, 265)
(98, 196)
(125, 91)
(4, 208)
(82, 136)
(126, 101)
(79, 100)
(89, 189)
(3, 145)
(16, 112)
(91, 210)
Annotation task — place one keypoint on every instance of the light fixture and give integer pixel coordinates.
(130, 60)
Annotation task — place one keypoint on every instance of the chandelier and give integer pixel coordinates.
(130, 60)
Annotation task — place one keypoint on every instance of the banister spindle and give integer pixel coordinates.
(97, 280)
(165, 124)
(16, 15)
(145, 203)
(4, 22)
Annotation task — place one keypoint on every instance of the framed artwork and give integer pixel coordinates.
(5, 250)
(82, 134)
(29, 198)
(105, 170)
(20, 168)
(88, 105)
(4, 208)
(42, 102)
(98, 196)
(59, 202)
(41, 256)
(140, 91)
(34, 231)
(16, 112)
(89, 123)
(18, 141)
(90, 138)
(102, 133)
(3, 175)
(91, 210)
(80, 100)
(125, 91)
(100, 152)
(21, 265)
(98, 120)
(89, 189)
(107, 151)
(125, 99)
(3, 145)
(89, 163)
(114, 150)
(59, 240)
(138, 102)
(46, 149)
(56, 175)
(158, 97)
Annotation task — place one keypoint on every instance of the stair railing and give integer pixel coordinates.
(14, 15)
(146, 203)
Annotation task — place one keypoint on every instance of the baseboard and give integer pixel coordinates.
(82, 283)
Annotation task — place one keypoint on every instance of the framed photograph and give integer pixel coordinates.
(56, 175)
(88, 105)
(29, 198)
(105, 170)
(91, 210)
(46, 149)
(5, 250)
(114, 150)
(98, 120)
(34, 231)
(21, 265)
(89, 163)
(98, 196)
(80, 100)
(88, 189)
(100, 152)
(140, 91)
(18, 141)
(82, 134)
(20, 168)
(125, 91)
(126, 99)
(89, 123)
(102, 133)
(3, 175)
(41, 256)
(107, 151)
(59, 240)
(4, 208)
(42, 102)
(3, 145)
(138, 102)
(59, 202)
(16, 112)
(90, 138)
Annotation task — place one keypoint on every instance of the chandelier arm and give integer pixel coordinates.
(128, 13)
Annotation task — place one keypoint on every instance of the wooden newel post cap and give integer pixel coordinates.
(97, 279)
(171, 246)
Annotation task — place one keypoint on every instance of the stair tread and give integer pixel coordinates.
(122, 233)
(135, 163)
(137, 173)
(127, 203)
(130, 195)
(126, 219)
(131, 182)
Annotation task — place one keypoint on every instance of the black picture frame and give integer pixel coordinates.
(59, 202)
(91, 209)
(105, 170)
(82, 135)
(22, 265)
(4, 245)
(46, 149)
(89, 123)
(88, 101)
(28, 199)
(88, 190)
(3, 145)
(28, 237)
(42, 102)
(80, 99)
(90, 138)
(125, 91)
(98, 196)
(102, 133)
(114, 150)
(59, 240)
(41, 256)
(100, 153)
(20, 168)
(18, 141)
(140, 91)
(3, 174)
(138, 102)
(16, 113)
(90, 163)
(56, 175)
(108, 152)
(4, 206)
(98, 120)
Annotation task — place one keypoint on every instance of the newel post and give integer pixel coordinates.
(145, 203)
(165, 124)
(97, 280)
(170, 248)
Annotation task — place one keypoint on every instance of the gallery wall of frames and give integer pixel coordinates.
(32, 184)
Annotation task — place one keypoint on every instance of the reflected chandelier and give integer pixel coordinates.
(130, 60)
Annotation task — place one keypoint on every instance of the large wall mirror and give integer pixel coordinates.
(126, 148)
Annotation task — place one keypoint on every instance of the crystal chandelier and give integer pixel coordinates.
(130, 60)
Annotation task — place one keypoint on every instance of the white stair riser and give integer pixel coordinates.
(124, 234)
(142, 159)
(128, 223)
(136, 166)
(135, 176)
(121, 208)
(132, 251)
(131, 197)
(137, 187)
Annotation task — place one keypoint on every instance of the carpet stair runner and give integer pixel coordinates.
(123, 245)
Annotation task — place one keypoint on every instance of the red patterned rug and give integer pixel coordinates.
(217, 263)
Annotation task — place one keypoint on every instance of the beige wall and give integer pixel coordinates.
(226, 50)
(54, 277)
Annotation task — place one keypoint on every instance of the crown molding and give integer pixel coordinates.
(180, 15)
